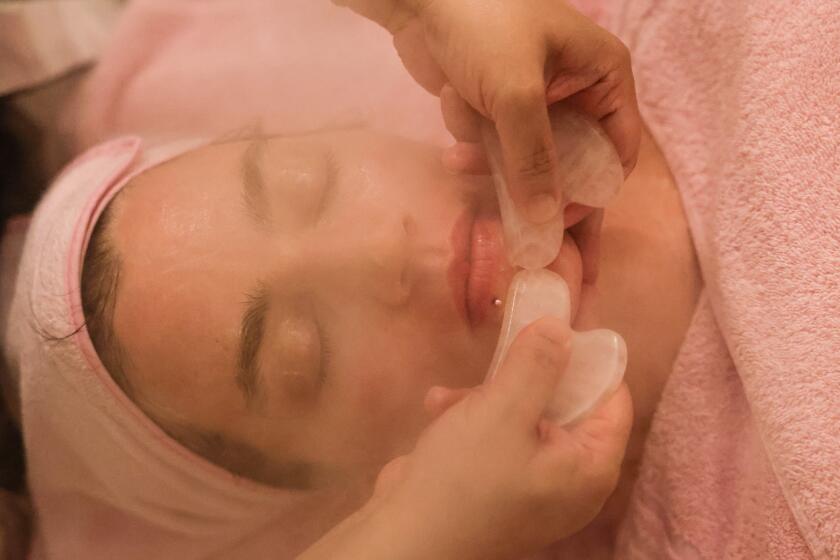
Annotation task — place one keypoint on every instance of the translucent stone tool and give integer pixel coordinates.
(598, 357)
(588, 172)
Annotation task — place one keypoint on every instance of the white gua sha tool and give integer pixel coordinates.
(591, 175)
(598, 357)
(588, 172)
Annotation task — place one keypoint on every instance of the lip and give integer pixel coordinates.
(458, 272)
(487, 262)
(477, 262)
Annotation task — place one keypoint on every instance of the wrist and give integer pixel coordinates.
(416, 529)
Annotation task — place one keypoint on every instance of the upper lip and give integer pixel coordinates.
(458, 272)
(476, 262)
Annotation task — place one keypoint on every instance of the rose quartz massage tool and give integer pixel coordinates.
(590, 173)
(598, 357)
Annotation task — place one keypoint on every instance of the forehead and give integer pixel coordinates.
(188, 256)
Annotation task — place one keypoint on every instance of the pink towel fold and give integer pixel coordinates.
(743, 459)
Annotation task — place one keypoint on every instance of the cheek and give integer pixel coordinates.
(388, 366)
(377, 413)
(379, 385)
(384, 380)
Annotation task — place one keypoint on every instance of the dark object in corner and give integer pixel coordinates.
(21, 181)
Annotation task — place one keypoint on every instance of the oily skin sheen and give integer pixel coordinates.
(349, 242)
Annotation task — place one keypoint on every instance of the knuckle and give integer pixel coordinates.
(546, 359)
(620, 50)
(624, 53)
(545, 347)
(612, 99)
(538, 163)
(548, 331)
(518, 103)
(606, 96)
(522, 98)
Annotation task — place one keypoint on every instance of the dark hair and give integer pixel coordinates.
(22, 180)
(100, 280)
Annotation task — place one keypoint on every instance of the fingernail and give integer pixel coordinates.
(542, 208)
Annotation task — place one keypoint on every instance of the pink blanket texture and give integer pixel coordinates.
(743, 460)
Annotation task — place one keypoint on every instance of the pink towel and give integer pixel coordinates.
(213, 68)
(743, 459)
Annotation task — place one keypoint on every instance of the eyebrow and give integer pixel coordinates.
(253, 183)
(252, 328)
(252, 332)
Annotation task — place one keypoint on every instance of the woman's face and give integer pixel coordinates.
(284, 304)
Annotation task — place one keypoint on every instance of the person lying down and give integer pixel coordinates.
(220, 345)
(162, 455)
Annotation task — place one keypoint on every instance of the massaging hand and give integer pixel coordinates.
(490, 478)
(506, 60)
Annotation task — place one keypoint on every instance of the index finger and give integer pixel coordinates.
(528, 154)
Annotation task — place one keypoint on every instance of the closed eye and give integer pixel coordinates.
(330, 184)
(325, 359)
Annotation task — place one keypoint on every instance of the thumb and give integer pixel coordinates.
(525, 383)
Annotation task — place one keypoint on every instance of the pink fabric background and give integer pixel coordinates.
(743, 459)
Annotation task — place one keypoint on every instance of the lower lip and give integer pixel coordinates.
(487, 262)
(479, 261)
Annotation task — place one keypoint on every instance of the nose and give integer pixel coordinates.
(369, 259)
